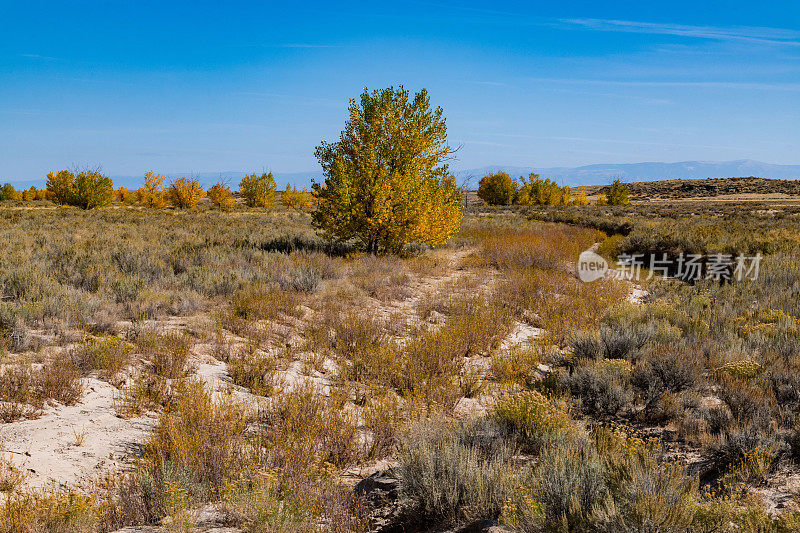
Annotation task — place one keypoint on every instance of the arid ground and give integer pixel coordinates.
(202, 369)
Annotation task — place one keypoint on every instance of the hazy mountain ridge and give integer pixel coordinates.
(599, 174)
(648, 171)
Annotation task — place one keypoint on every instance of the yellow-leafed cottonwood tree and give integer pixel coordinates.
(387, 182)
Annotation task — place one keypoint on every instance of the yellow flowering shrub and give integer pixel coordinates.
(532, 418)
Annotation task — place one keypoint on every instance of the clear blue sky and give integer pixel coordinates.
(232, 86)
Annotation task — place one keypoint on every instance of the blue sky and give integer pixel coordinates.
(181, 87)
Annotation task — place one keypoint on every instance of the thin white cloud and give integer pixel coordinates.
(305, 45)
(307, 100)
(483, 143)
(489, 83)
(605, 141)
(770, 36)
(761, 86)
(38, 56)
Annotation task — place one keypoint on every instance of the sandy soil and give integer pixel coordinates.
(48, 448)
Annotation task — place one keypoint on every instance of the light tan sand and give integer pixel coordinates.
(47, 448)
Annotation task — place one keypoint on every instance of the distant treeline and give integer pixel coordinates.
(88, 189)
(500, 189)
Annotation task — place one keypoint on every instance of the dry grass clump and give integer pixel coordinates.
(381, 278)
(255, 370)
(110, 356)
(264, 302)
(26, 389)
(167, 353)
(544, 246)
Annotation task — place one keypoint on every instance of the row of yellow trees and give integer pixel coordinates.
(501, 189)
(88, 189)
(8, 192)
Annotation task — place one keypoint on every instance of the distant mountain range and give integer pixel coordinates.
(628, 172)
(585, 175)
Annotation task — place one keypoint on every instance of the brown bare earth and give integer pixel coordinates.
(712, 189)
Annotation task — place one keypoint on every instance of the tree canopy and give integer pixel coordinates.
(387, 183)
(258, 191)
(497, 189)
(88, 189)
(618, 194)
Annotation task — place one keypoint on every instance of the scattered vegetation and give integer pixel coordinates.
(504, 390)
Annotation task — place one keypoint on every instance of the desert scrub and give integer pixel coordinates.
(262, 504)
(254, 370)
(167, 353)
(80, 268)
(607, 483)
(383, 418)
(477, 325)
(26, 389)
(200, 436)
(563, 493)
(147, 392)
(532, 420)
(544, 246)
(11, 477)
(54, 510)
(362, 348)
(110, 356)
(603, 388)
(383, 278)
(448, 481)
(304, 430)
(648, 492)
(742, 369)
(261, 301)
(516, 366)
(557, 302)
